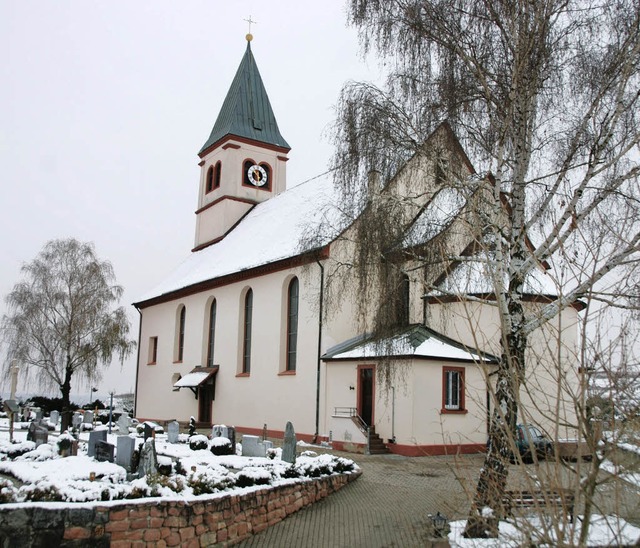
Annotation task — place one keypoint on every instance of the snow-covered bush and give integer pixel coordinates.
(13, 450)
(199, 441)
(221, 446)
(39, 454)
(210, 480)
(43, 491)
(65, 441)
(8, 493)
(253, 475)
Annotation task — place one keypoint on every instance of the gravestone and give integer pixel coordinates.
(173, 431)
(39, 414)
(126, 445)
(123, 424)
(104, 451)
(54, 417)
(148, 458)
(76, 421)
(148, 431)
(253, 447)
(88, 419)
(94, 438)
(37, 433)
(41, 436)
(289, 445)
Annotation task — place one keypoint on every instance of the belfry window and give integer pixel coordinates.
(209, 184)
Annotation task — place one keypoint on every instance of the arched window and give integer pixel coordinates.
(212, 333)
(292, 324)
(217, 174)
(179, 354)
(246, 346)
(209, 185)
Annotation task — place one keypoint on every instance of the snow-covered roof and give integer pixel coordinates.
(415, 341)
(270, 232)
(196, 378)
(475, 276)
(435, 217)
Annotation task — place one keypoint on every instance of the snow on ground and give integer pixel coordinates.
(603, 531)
(40, 474)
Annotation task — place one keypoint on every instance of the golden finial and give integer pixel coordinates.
(249, 36)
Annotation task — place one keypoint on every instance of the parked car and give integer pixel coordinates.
(528, 437)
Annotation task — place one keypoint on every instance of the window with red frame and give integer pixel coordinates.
(452, 389)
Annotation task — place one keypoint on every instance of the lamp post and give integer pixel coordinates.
(110, 410)
(439, 524)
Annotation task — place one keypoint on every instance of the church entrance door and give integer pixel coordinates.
(366, 393)
(205, 401)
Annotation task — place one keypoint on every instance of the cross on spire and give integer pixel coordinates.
(250, 21)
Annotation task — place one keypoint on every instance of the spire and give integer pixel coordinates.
(246, 111)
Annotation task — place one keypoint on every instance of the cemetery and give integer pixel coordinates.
(137, 482)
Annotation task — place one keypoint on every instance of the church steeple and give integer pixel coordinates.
(244, 158)
(246, 111)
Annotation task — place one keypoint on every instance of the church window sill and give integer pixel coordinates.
(243, 375)
(454, 411)
(286, 373)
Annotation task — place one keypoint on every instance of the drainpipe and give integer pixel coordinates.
(135, 393)
(393, 414)
(320, 312)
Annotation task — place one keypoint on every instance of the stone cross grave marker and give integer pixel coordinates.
(94, 438)
(104, 451)
(148, 431)
(289, 445)
(148, 458)
(123, 424)
(173, 431)
(125, 447)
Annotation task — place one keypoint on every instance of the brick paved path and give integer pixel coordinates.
(387, 506)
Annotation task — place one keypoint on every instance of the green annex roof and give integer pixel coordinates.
(246, 111)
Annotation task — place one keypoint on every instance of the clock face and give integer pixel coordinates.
(257, 175)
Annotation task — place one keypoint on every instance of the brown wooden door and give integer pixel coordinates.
(205, 401)
(366, 393)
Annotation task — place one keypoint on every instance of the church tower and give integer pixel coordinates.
(244, 160)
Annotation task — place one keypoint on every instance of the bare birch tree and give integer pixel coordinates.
(544, 96)
(62, 320)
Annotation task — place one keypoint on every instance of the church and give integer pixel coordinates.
(242, 332)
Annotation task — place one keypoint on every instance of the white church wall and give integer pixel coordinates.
(266, 395)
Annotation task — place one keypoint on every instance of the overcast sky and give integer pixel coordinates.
(104, 106)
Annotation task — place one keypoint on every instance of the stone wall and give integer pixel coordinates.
(222, 520)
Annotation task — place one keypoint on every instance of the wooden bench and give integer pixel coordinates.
(536, 500)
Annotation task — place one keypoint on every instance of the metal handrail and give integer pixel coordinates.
(352, 413)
